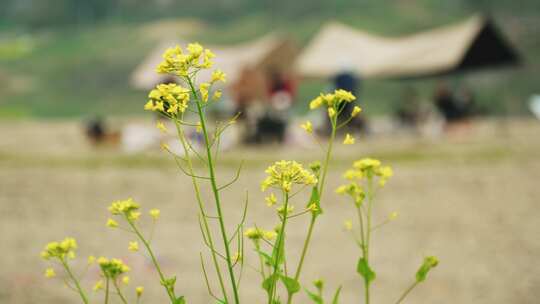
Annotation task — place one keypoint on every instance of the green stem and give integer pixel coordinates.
(404, 295)
(368, 235)
(327, 158)
(202, 211)
(75, 281)
(313, 218)
(169, 290)
(216, 194)
(107, 291)
(281, 242)
(119, 292)
(258, 247)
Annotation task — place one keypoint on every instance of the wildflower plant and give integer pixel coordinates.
(184, 103)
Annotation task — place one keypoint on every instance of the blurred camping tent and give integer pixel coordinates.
(268, 53)
(470, 44)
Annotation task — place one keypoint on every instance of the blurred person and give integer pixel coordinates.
(455, 108)
(248, 93)
(95, 130)
(273, 124)
(409, 112)
(98, 133)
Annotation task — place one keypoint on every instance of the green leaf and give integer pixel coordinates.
(291, 284)
(269, 282)
(335, 300)
(169, 283)
(429, 263)
(315, 199)
(267, 258)
(315, 297)
(180, 300)
(365, 271)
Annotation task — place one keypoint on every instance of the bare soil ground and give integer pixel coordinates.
(470, 199)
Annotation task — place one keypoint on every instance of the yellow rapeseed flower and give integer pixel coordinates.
(217, 95)
(154, 213)
(331, 112)
(91, 260)
(348, 225)
(98, 285)
(271, 200)
(356, 110)
(218, 75)
(236, 257)
(134, 215)
(313, 207)
(281, 210)
(125, 280)
(133, 246)
(49, 273)
(393, 216)
(161, 127)
(139, 291)
(315, 103)
(349, 140)
(112, 223)
(203, 89)
(307, 126)
(343, 95)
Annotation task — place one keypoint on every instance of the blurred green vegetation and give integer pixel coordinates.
(66, 58)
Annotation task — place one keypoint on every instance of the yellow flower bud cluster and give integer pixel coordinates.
(60, 250)
(283, 174)
(179, 62)
(257, 234)
(169, 99)
(112, 268)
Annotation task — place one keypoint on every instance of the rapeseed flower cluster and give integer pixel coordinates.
(334, 102)
(60, 250)
(368, 168)
(354, 190)
(127, 207)
(179, 62)
(112, 268)
(168, 99)
(283, 174)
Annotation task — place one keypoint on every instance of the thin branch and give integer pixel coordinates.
(206, 279)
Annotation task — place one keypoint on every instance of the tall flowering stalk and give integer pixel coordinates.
(172, 101)
(364, 179)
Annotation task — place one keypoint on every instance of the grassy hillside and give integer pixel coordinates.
(84, 70)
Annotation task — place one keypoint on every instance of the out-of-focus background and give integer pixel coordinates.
(451, 99)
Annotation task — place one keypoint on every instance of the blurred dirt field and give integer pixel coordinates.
(472, 199)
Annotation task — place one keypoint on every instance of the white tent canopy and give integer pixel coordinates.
(231, 59)
(338, 48)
